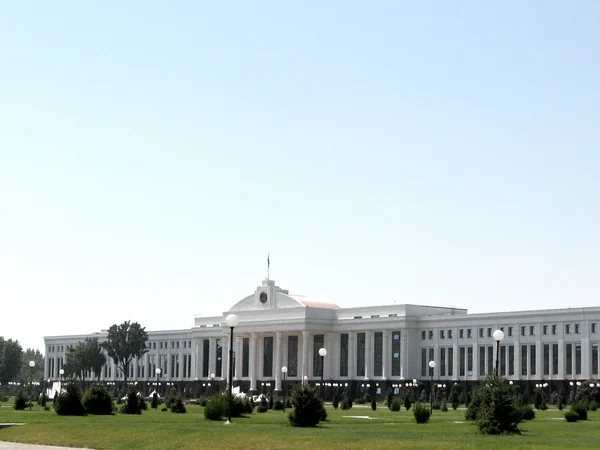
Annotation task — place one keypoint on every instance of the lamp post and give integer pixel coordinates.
(305, 379)
(61, 372)
(283, 371)
(232, 321)
(157, 371)
(322, 353)
(31, 366)
(498, 336)
(431, 367)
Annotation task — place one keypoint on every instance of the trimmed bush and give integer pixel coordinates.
(132, 404)
(248, 405)
(444, 406)
(154, 403)
(322, 413)
(395, 406)
(421, 413)
(593, 405)
(560, 405)
(262, 408)
(164, 408)
(215, 408)
(307, 406)
(97, 400)
(407, 403)
(21, 401)
(580, 410)
(177, 406)
(69, 403)
(436, 405)
(527, 412)
(278, 405)
(346, 404)
(373, 404)
(571, 416)
(43, 399)
(271, 402)
(335, 402)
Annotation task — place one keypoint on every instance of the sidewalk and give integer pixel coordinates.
(14, 446)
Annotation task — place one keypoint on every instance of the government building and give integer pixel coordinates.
(374, 347)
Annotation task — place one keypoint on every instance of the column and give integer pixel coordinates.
(238, 357)
(369, 354)
(404, 372)
(586, 367)
(539, 355)
(352, 355)
(305, 335)
(475, 363)
(146, 367)
(455, 365)
(386, 354)
(225, 358)
(517, 356)
(278, 348)
(194, 368)
(212, 351)
(252, 363)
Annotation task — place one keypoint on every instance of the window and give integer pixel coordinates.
(531, 330)
(268, 355)
(578, 359)
(554, 359)
(461, 362)
(177, 344)
(360, 354)
(441, 334)
(461, 333)
(423, 362)
(532, 359)
(567, 329)
(396, 353)
(449, 334)
(343, 355)
(246, 356)
(489, 332)
(545, 331)
(450, 361)
(430, 334)
(593, 328)
(293, 355)
(469, 333)
(374, 316)
(481, 361)
(205, 357)
(569, 359)
(510, 333)
(442, 362)
(318, 343)
(546, 359)
(358, 317)
(431, 358)
(378, 357)
(423, 335)
(511, 360)
(595, 358)
(553, 329)
(576, 328)
(524, 359)
(481, 332)
(219, 359)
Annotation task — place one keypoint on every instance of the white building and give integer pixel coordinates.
(382, 344)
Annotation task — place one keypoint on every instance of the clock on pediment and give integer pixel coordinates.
(263, 297)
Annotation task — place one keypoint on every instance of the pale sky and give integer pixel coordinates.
(152, 154)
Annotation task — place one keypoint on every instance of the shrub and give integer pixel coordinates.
(21, 401)
(307, 406)
(3, 398)
(571, 416)
(322, 413)
(46, 408)
(97, 400)
(593, 405)
(492, 407)
(154, 403)
(335, 402)
(395, 406)
(170, 399)
(346, 404)
(42, 401)
(238, 406)
(444, 406)
(580, 410)
(248, 405)
(132, 404)
(69, 403)
(407, 403)
(454, 397)
(203, 401)
(373, 404)
(527, 412)
(421, 413)
(143, 404)
(262, 408)
(389, 399)
(215, 408)
(164, 408)
(177, 406)
(271, 402)
(278, 405)
(436, 406)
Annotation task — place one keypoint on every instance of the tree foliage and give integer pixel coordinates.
(307, 406)
(11, 357)
(26, 373)
(86, 355)
(125, 342)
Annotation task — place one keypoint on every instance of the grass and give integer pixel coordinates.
(165, 430)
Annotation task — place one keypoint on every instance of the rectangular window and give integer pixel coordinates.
(568, 329)
(481, 361)
(469, 360)
(462, 355)
(430, 334)
(489, 332)
(360, 354)
(219, 359)
(511, 360)
(378, 356)
(593, 327)
(594, 358)
(569, 359)
(461, 333)
(245, 357)
(292, 364)
(546, 359)
(524, 359)
(469, 333)
(344, 355)
(578, 359)
(503, 360)
(450, 361)
(442, 362)
(268, 356)
(554, 359)
(205, 356)
(532, 359)
(576, 328)
(490, 359)
(545, 330)
(553, 329)
(441, 334)
(431, 358)
(423, 334)
(481, 332)
(522, 331)
(510, 333)
(395, 353)
(449, 334)
(423, 362)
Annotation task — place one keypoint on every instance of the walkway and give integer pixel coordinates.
(14, 446)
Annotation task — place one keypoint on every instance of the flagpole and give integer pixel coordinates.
(268, 266)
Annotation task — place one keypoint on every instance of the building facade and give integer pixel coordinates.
(377, 346)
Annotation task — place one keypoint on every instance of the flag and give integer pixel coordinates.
(268, 261)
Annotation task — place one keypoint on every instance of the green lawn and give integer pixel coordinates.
(165, 430)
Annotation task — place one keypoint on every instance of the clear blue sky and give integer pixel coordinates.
(153, 153)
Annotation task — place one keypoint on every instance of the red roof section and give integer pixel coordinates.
(315, 304)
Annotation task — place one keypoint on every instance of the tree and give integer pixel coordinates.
(11, 356)
(26, 374)
(86, 355)
(125, 342)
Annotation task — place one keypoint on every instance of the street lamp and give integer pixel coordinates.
(283, 371)
(31, 366)
(61, 372)
(305, 379)
(431, 366)
(322, 353)
(232, 321)
(156, 388)
(498, 336)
